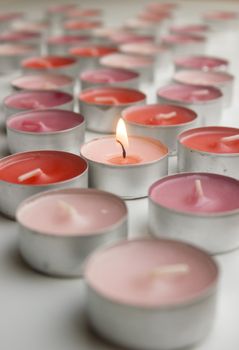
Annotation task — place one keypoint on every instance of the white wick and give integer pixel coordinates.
(230, 138)
(67, 208)
(170, 270)
(30, 174)
(165, 115)
(202, 92)
(199, 189)
(107, 99)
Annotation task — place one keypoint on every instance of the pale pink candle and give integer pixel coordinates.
(190, 29)
(206, 63)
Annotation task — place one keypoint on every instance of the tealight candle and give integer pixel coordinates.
(163, 295)
(60, 44)
(12, 54)
(125, 166)
(206, 101)
(185, 44)
(54, 225)
(35, 26)
(221, 20)
(199, 208)
(46, 82)
(109, 77)
(205, 63)
(89, 55)
(142, 26)
(221, 80)
(124, 37)
(188, 29)
(50, 64)
(27, 173)
(45, 129)
(102, 106)
(26, 100)
(162, 122)
(81, 26)
(31, 38)
(141, 64)
(84, 13)
(160, 8)
(211, 149)
(6, 18)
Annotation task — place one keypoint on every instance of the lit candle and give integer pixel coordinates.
(158, 283)
(72, 219)
(28, 173)
(133, 156)
(213, 149)
(205, 201)
(206, 101)
(163, 122)
(220, 80)
(205, 63)
(106, 104)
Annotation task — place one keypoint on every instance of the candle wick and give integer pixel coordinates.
(67, 208)
(30, 174)
(199, 189)
(230, 138)
(176, 269)
(123, 149)
(166, 115)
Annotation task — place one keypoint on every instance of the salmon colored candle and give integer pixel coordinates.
(47, 62)
(86, 12)
(76, 25)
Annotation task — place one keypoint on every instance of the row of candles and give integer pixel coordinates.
(144, 293)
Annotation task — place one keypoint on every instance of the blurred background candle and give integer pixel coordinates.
(85, 27)
(60, 44)
(205, 63)
(184, 44)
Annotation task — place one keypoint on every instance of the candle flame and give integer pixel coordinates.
(121, 135)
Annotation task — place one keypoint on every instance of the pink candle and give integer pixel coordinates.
(161, 7)
(26, 100)
(81, 25)
(43, 82)
(15, 49)
(10, 16)
(212, 139)
(30, 26)
(20, 36)
(147, 48)
(205, 63)
(11, 56)
(190, 29)
(92, 51)
(67, 39)
(175, 39)
(49, 167)
(127, 37)
(86, 12)
(61, 9)
(221, 15)
(155, 17)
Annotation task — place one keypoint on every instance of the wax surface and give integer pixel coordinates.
(190, 28)
(56, 166)
(67, 39)
(81, 25)
(201, 62)
(15, 49)
(150, 115)
(42, 82)
(37, 99)
(104, 149)
(46, 62)
(209, 139)
(45, 121)
(189, 93)
(221, 15)
(145, 48)
(93, 50)
(179, 193)
(84, 13)
(126, 37)
(61, 8)
(18, 36)
(182, 39)
(202, 78)
(124, 273)
(122, 95)
(118, 60)
(108, 75)
(93, 211)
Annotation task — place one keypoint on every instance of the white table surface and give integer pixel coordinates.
(43, 313)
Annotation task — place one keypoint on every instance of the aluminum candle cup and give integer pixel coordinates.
(109, 77)
(184, 44)
(203, 210)
(141, 64)
(60, 44)
(209, 149)
(45, 129)
(12, 54)
(221, 80)
(206, 101)
(149, 296)
(89, 55)
(102, 106)
(59, 229)
(204, 63)
(162, 122)
(50, 64)
(25, 174)
(130, 177)
(46, 82)
(29, 100)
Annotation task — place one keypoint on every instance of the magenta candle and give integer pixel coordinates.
(156, 280)
(26, 100)
(109, 76)
(56, 64)
(43, 82)
(221, 80)
(163, 122)
(205, 201)
(205, 63)
(206, 101)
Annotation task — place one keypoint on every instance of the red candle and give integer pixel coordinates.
(92, 51)
(47, 62)
(212, 139)
(41, 167)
